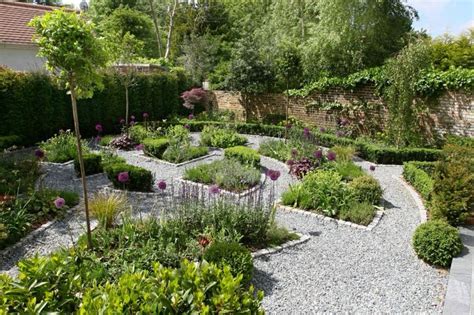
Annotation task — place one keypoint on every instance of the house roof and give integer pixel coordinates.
(14, 17)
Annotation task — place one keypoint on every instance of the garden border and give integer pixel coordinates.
(152, 158)
(272, 250)
(375, 221)
(181, 181)
(45, 163)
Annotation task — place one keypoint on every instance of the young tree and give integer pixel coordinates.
(74, 56)
(289, 68)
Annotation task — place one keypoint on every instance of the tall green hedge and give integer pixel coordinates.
(33, 108)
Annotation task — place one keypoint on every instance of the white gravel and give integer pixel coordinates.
(339, 270)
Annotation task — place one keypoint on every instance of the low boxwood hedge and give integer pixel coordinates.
(92, 164)
(418, 178)
(244, 155)
(155, 147)
(139, 179)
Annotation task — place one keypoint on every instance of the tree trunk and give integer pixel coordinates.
(287, 107)
(126, 105)
(81, 162)
(170, 30)
(157, 26)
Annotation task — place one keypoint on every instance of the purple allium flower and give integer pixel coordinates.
(294, 152)
(39, 153)
(145, 115)
(214, 189)
(98, 138)
(122, 121)
(339, 133)
(139, 147)
(191, 116)
(59, 202)
(186, 126)
(322, 129)
(99, 128)
(372, 167)
(318, 154)
(273, 174)
(331, 155)
(123, 177)
(132, 117)
(288, 126)
(132, 122)
(306, 132)
(162, 185)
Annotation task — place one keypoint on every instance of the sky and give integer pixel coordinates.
(440, 16)
(436, 16)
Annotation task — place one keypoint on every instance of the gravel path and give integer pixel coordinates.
(345, 270)
(339, 270)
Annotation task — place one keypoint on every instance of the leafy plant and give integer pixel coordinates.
(348, 170)
(437, 243)
(155, 147)
(344, 154)
(244, 155)
(17, 174)
(221, 138)
(61, 147)
(234, 255)
(181, 153)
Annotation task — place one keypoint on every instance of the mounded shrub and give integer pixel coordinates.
(452, 198)
(123, 142)
(358, 212)
(62, 147)
(192, 288)
(244, 155)
(221, 137)
(418, 178)
(366, 189)
(155, 147)
(437, 243)
(92, 164)
(139, 179)
(179, 154)
(234, 255)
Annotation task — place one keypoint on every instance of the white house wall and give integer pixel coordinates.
(20, 57)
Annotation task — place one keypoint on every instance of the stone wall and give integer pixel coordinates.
(453, 112)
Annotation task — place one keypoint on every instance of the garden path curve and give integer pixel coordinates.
(340, 269)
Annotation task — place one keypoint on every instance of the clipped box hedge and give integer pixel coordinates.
(140, 179)
(155, 147)
(244, 155)
(92, 164)
(418, 178)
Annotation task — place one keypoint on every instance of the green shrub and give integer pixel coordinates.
(105, 140)
(178, 134)
(221, 138)
(462, 141)
(179, 154)
(344, 153)
(111, 158)
(138, 133)
(8, 141)
(62, 147)
(227, 174)
(276, 149)
(437, 243)
(366, 189)
(418, 178)
(358, 212)
(155, 147)
(92, 164)
(244, 155)
(392, 155)
(140, 179)
(348, 170)
(452, 198)
(297, 196)
(18, 174)
(192, 288)
(234, 255)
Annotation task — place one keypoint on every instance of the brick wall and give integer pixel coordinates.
(453, 112)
